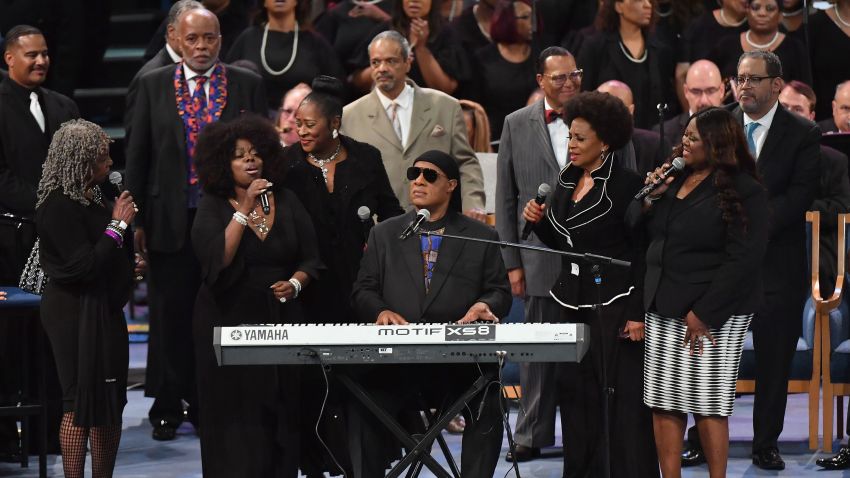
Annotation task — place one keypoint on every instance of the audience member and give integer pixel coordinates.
(477, 126)
(703, 89)
(763, 17)
(286, 113)
(587, 214)
(472, 26)
(349, 25)
(673, 18)
(232, 16)
(624, 50)
(403, 120)
(532, 149)
(829, 34)
(558, 18)
(644, 152)
(286, 48)
(505, 68)
(840, 121)
(255, 266)
(792, 17)
(161, 172)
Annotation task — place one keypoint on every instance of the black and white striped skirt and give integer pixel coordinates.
(675, 380)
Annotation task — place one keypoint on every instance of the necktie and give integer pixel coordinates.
(751, 142)
(552, 115)
(199, 96)
(35, 109)
(394, 119)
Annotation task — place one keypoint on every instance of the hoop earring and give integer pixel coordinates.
(335, 133)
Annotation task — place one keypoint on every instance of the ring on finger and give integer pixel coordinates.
(282, 300)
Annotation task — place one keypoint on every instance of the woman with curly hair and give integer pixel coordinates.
(708, 229)
(587, 214)
(254, 265)
(82, 233)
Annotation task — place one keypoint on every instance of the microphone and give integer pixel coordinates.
(421, 216)
(117, 180)
(264, 202)
(365, 216)
(542, 191)
(678, 165)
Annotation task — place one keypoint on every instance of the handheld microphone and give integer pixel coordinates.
(264, 202)
(117, 180)
(365, 216)
(542, 191)
(421, 216)
(678, 165)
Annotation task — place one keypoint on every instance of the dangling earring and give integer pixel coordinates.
(335, 133)
(602, 154)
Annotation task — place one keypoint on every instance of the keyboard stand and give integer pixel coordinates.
(417, 446)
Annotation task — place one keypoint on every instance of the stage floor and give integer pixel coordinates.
(142, 457)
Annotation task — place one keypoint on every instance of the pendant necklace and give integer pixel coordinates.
(257, 219)
(322, 163)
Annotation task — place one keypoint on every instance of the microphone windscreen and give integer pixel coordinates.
(426, 214)
(116, 178)
(364, 213)
(678, 164)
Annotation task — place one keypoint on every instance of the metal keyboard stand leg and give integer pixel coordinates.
(414, 471)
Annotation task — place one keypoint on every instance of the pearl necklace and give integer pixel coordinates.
(760, 46)
(728, 23)
(792, 14)
(838, 17)
(258, 220)
(322, 163)
(629, 55)
(291, 58)
(664, 14)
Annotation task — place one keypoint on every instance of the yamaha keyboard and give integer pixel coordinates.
(398, 344)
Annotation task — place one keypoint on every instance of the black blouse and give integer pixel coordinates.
(345, 33)
(792, 54)
(703, 34)
(828, 46)
(504, 87)
(314, 57)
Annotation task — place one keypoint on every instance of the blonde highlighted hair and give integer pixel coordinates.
(480, 133)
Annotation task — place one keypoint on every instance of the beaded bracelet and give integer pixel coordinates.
(240, 218)
(118, 238)
(296, 284)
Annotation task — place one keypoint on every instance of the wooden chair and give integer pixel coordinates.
(835, 352)
(806, 365)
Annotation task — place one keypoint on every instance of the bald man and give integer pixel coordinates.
(840, 121)
(703, 89)
(644, 152)
(161, 174)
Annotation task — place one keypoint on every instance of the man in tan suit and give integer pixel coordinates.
(403, 121)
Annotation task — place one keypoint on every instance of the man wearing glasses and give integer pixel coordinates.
(786, 150)
(431, 279)
(532, 150)
(173, 104)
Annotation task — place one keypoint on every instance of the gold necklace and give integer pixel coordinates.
(257, 219)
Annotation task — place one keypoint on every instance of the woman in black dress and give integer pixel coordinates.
(763, 18)
(709, 28)
(829, 33)
(285, 49)
(81, 236)
(625, 50)
(254, 266)
(708, 229)
(587, 215)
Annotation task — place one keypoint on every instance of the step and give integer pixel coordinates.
(134, 28)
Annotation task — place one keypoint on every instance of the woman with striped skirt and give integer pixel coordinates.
(708, 231)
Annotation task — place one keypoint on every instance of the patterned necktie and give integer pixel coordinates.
(751, 142)
(394, 119)
(199, 96)
(35, 109)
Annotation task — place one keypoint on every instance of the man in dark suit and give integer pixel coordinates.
(532, 150)
(161, 175)
(703, 89)
(29, 115)
(786, 150)
(167, 55)
(644, 151)
(840, 121)
(434, 279)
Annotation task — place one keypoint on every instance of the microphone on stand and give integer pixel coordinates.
(678, 165)
(421, 216)
(542, 191)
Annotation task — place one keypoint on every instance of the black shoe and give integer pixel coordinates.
(841, 461)
(523, 453)
(692, 455)
(164, 432)
(768, 459)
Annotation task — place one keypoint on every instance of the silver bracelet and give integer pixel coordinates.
(296, 284)
(240, 218)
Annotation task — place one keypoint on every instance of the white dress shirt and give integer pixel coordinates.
(176, 58)
(190, 80)
(760, 134)
(559, 134)
(404, 110)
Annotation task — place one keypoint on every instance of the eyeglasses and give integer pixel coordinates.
(752, 80)
(559, 80)
(705, 91)
(429, 174)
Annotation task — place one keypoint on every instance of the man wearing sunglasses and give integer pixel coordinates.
(786, 150)
(432, 279)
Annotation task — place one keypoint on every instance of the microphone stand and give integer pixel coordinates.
(596, 262)
(662, 108)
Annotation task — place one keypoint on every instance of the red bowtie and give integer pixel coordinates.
(552, 115)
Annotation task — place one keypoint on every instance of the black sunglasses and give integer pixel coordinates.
(430, 175)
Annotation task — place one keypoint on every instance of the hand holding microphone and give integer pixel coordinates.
(657, 181)
(533, 211)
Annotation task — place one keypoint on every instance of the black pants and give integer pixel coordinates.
(173, 282)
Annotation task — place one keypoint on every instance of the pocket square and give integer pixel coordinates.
(438, 131)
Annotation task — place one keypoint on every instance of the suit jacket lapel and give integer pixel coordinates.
(420, 117)
(704, 190)
(449, 252)
(774, 134)
(51, 121)
(411, 254)
(541, 134)
(381, 122)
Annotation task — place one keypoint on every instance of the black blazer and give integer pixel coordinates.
(596, 225)
(23, 146)
(156, 154)
(466, 272)
(161, 59)
(789, 167)
(696, 262)
(649, 152)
